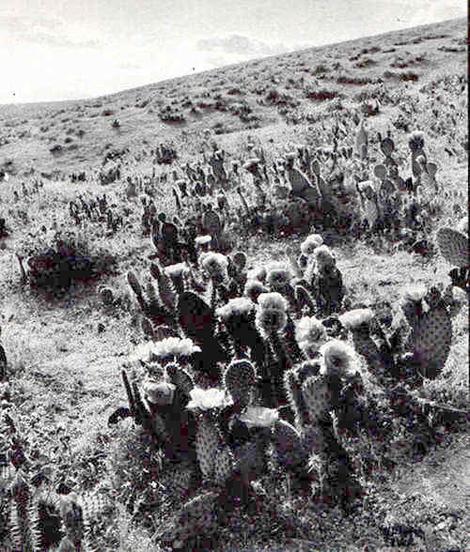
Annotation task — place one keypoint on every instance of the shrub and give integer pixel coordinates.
(322, 95)
(68, 258)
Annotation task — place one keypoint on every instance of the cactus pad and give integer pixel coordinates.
(288, 444)
(195, 315)
(239, 380)
(197, 516)
(207, 445)
(453, 246)
(317, 397)
(223, 465)
(432, 341)
(181, 378)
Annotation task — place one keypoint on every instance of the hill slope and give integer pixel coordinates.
(269, 97)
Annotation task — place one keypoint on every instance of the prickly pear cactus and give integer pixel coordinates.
(453, 246)
(293, 391)
(20, 519)
(73, 518)
(317, 397)
(432, 340)
(304, 300)
(198, 516)
(195, 315)
(223, 465)
(166, 288)
(135, 286)
(207, 445)
(288, 445)
(239, 380)
(181, 378)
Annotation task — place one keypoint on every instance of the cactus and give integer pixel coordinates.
(152, 424)
(293, 391)
(3, 361)
(197, 320)
(148, 302)
(431, 341)
(362, 141)
(198, 516)
(387, 147)
(453, 246)
(305, 302)
(107, 296)
(223, 465)
(166, 288)
(288, 446)
(47, 524)
(208, 439)
(20, 518)
(378, 358)
(73, 519)
(317, 398)
(195, 316)
(327, 281)
(239, 380)
(181, 378)
(212, 225)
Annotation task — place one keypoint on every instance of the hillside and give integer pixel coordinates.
(84, 296)
(268, 97)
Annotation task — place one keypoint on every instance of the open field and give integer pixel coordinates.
(67, 338)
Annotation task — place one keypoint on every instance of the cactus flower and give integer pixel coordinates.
(208, 399)
(311, 242)
(238, 306)
(215, 264)
(203, 240)
(174, 346)
(278, 275)
(355, 318)
(158, 392)
(176, 269)
(339, 358)
(259, 416)
(310, 334)
(271, 312)
(415, 293)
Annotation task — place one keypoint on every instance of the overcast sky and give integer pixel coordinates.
(67, 49)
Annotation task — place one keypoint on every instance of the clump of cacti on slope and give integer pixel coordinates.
(157, 308)
(430, 334)
(309, 446)
(35, 518)
(376, 353)
(271, 320)
(326, 281)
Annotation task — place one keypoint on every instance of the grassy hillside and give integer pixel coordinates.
(280, 96)
(65, 351)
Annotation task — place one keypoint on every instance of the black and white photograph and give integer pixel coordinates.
(234, 276)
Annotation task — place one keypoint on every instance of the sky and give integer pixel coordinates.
(71, 49)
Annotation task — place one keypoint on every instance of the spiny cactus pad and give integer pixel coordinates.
(239, 379)
(223, 465)
(207, 444)
(288, 444)
(195, 315)
(317, 397)
(181, 378)
(432, 341)
(198, 516)
(453, 246)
